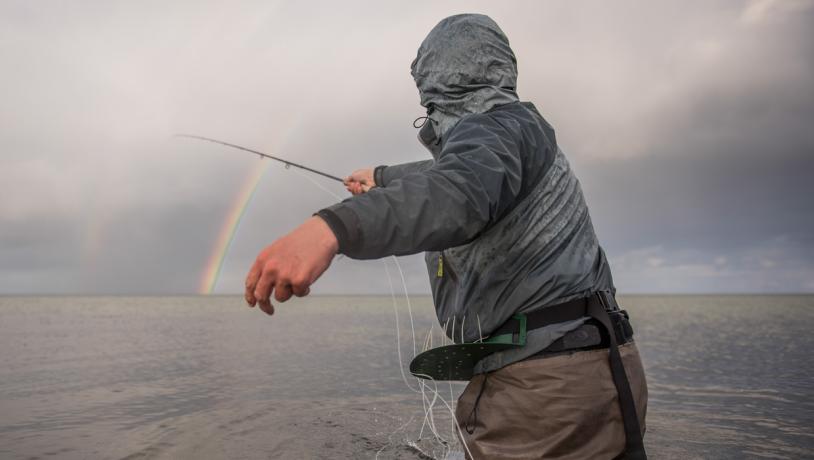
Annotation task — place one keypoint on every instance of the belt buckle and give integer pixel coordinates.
(607, 301)
(515, 338)
(621, 326)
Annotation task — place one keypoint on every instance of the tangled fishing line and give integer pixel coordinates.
(430, 394)
(429, 405)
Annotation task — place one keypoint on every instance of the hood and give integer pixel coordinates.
(464, 66)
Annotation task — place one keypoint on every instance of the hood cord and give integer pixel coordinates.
(418, 124)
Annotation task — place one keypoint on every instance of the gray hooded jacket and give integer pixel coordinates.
(498, 211)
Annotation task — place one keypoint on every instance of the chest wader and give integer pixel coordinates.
(457, 361)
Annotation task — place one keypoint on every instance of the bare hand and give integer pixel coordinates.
(291, 264)
(360, 181)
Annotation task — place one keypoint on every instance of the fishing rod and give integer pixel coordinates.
(262, 155)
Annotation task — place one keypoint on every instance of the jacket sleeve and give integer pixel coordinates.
(475, 179)
(384, 175)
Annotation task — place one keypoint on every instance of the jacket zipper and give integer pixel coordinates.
(444, 268)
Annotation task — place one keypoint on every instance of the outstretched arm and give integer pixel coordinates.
(475, 180)
(291, 264)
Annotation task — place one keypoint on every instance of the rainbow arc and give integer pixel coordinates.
(230, 227)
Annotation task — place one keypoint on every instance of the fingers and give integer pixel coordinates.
(263, 290)
(259, 289)
(282, 291)
(251, 282)
(291, 264)
(300, 290)
(352, 185)
(266, 306)
(356, 188)
(362, 175)
(360, 181)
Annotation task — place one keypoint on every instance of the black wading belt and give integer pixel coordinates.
(634, 445)
(597, 307)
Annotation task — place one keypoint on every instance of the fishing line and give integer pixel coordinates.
(398, 338)
(390, 437)
(429, 405)
(317, 184)
(392, 294)
(428, 341)
(429, 419)
(407, 298)
(451, 398)
(458, 426)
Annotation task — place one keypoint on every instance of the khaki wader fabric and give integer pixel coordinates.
(563, 407)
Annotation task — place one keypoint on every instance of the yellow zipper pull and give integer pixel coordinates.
(440, 273)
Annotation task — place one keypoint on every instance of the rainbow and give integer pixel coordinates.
(229, 229)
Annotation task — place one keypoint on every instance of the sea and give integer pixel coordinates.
(206, 377)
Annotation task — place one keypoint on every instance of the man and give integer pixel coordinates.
(505, 229)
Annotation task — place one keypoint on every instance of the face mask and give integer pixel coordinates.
(428, 134)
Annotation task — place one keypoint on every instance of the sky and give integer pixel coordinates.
(690, 125)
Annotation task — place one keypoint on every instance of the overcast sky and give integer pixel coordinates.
(690, 125)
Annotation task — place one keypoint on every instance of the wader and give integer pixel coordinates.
(583, 403)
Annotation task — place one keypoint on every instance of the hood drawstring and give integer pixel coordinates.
(417, 124)
(421, 121)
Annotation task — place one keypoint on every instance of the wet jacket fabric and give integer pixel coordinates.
(497, 211)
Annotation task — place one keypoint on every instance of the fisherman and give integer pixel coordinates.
(505, 230)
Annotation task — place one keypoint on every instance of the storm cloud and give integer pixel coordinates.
(689, 125)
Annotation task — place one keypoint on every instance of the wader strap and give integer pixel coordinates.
(634, 445)
(472, 420)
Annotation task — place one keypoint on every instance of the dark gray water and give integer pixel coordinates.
(206, 377)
